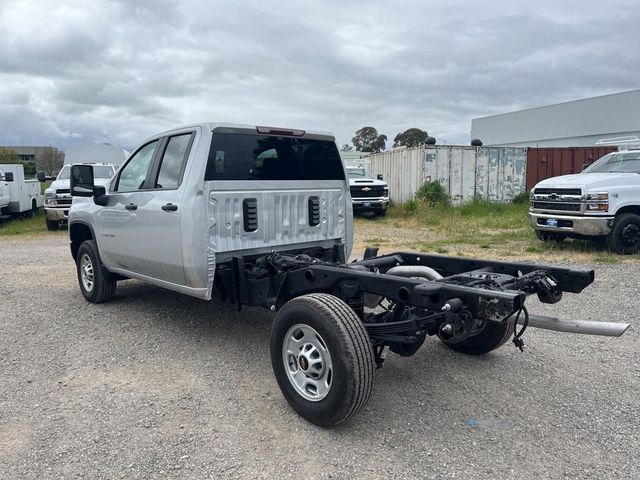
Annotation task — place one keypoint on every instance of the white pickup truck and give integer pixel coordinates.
(368, 194)
(602, 201)
(17, 195)
(57, 197)
(107, 158)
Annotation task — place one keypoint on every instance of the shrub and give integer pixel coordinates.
(519, 199)
(433, 193)
(410, 207)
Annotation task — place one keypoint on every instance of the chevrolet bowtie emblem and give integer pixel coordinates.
(366, 189)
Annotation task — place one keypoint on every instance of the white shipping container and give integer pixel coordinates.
(492, 173)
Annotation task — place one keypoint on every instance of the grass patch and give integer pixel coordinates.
(478, 222)
(24, 226)
(486, 229)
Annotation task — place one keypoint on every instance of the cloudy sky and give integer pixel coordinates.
(119, 71)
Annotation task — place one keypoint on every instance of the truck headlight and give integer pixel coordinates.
(598, 196)
(385, 192)
(598, 201)
(50, 202)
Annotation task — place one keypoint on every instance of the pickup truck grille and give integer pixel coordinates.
(557, 191)
(63, 201)
(560, 200)
(568, 207)
(367, 191)
(62, 191)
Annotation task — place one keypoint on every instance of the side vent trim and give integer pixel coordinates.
(250, 214)
(314, 211)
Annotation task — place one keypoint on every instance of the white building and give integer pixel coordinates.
(578, 123)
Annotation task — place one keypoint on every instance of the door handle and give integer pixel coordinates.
(169, 207)
(131, 206)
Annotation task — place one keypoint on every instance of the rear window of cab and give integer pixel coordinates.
(237, 156)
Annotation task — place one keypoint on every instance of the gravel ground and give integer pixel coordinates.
(159, 385)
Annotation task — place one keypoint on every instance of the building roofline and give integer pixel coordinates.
(637, 90)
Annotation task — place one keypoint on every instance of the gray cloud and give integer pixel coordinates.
(78, 72)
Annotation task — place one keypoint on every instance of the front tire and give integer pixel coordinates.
(95, 287)
(52, 225)
(380, 212)
(322, 358)
(624, 237)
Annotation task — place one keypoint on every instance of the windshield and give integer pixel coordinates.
(102, 172)
(617, 162)
(64, 173)
(99, 171)
(357, 173)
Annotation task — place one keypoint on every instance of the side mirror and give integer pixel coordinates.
(584, 167)
(380, 177)
(8, 176)
(41, 176)
(82, 181)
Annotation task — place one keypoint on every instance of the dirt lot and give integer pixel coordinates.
(158, 385)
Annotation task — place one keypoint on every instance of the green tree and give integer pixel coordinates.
(8, 156)
(411, 137)
(346, 148)
(11, 157)
(368, 140)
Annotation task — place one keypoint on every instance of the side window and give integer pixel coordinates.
(133, 174)
(173, 160)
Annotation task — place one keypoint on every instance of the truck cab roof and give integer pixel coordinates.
(224, 127)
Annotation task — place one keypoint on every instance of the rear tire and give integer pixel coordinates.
(34, 209)
(624, 238)
(493, 335)
(550, 236)
(52, 225)
(322, 358)
(95, 287)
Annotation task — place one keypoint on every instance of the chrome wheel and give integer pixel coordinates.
(307, 362)
(86, 272)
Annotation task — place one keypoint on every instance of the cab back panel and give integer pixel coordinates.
(282, 211)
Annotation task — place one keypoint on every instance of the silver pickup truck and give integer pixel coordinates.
(262, 216)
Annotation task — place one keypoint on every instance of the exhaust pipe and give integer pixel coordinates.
(608, 329)
(410, 271)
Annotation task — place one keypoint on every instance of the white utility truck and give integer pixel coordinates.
(106, 158)
(601, 202)
(17, 195)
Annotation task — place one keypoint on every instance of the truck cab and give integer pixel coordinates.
(189, 200)
(602, 201)
(4, 190)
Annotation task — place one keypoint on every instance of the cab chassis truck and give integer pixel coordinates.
(335, 319)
